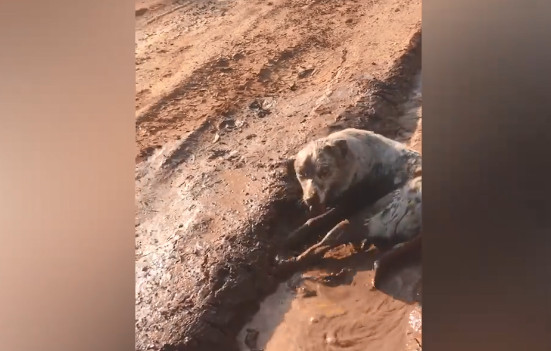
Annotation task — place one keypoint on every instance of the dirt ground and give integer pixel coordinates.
(226, 91)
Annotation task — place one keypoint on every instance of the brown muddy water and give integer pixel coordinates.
(307, 313)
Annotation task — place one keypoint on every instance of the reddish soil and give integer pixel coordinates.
(226, 92)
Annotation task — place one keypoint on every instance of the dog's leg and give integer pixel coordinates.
(332, 239)
(311, 227)
(395, 258)
(314, 253)
(400, 220)
(362, 195)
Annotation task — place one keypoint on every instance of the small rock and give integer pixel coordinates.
(227, 123)
(305, 73)
(222, 62)
(232, 155)
(238, 56)
(216, 138)
(255, 105)
(268, 103)
(263, 113)
(330, 340)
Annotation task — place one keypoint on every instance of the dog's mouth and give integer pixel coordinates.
(319, 208)
(319, 204)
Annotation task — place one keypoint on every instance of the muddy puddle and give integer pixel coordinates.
(334, 306)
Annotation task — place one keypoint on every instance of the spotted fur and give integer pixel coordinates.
(401, 219)
(328, 166)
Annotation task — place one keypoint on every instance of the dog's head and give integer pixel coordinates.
(323, 169)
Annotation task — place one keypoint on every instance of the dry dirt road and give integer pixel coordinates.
(225, 92)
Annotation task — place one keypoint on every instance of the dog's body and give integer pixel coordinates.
(328, 167)
(400, 220)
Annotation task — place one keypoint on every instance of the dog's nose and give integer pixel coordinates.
(312, 200)
(314, 203)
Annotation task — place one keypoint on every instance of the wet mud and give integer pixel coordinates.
(351, 317)
(309, 311)
(344, 304)
(215, 199)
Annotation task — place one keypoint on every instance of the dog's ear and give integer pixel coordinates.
(339, 147)
(290, 166)
(342, 146)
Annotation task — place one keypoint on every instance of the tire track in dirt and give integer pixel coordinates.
(227, 82)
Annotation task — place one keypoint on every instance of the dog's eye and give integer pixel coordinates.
(323, 172)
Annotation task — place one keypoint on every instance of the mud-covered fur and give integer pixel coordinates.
(328, 166)
(400, 220)
(394, 219)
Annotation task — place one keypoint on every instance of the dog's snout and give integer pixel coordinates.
(313, 197)
(314, 204)
(312, 200)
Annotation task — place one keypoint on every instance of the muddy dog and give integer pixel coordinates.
(329, 167)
